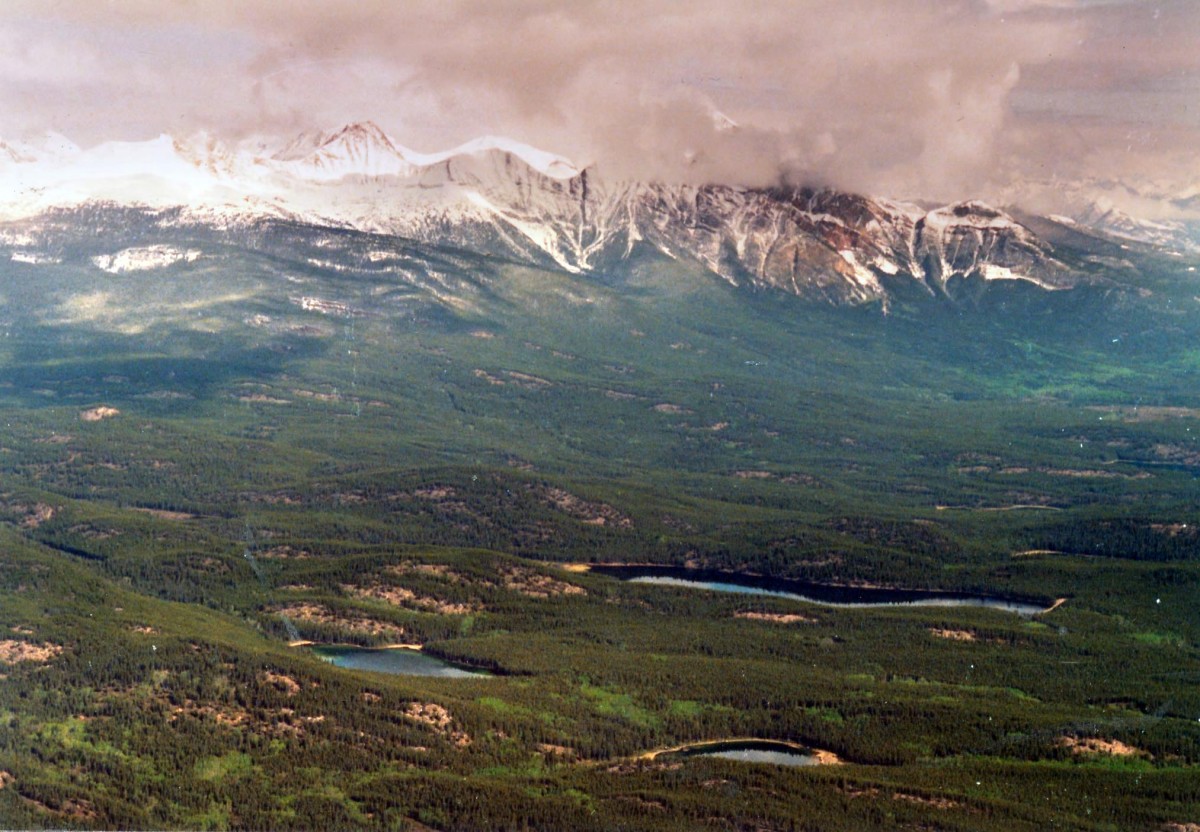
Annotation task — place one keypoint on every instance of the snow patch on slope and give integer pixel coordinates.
(863, 276)
(144, 259)
(33, 258)
(991, 271)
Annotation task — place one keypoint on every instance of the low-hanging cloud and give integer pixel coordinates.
(932, 98)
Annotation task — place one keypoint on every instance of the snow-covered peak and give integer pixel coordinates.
(53, 145)
(973, 213)
(723, 123)
(545, 163)
(364, 149)
(361, 149)
(1103, 215)
(498, 195)
(160, 172)
(203, 173)
(13, 154)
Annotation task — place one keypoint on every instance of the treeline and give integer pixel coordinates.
(1131, 538)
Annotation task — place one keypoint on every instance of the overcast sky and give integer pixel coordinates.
(913, 98)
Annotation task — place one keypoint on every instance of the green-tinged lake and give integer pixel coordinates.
(751, 751)
(399, 661)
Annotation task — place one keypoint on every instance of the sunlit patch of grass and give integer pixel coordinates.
(621, 705)
(230, 766)
(1159, 639)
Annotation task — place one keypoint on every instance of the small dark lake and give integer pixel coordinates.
(826, 594)
(750, 751)
(400, 661)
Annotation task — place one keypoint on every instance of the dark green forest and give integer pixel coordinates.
(204, 465)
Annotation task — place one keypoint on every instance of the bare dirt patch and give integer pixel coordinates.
(1177, 454)
(76, 808)
(96, 414)
(1094, 473)
(317, 396)
(404, 597)
(441, 570)
(1077, 473)
(489, 378)
(1098, 745)
(527, 381)
(163, 514)
(667, 407)
(321, 614)
(954, 635)
(593, 513)
(800, 479)
(286, 553)
(276, 722)
(92, 532)
(262, 398)
(281, 682)
(641, 765)
(437, 718)
(536, 585)
(1138, 413)
(35, 515)
(933, 802)
(6, 779)
(222, 714)
(435, 492)
(1176, 529)
(13, 652)
(754, 475)
(776, 617)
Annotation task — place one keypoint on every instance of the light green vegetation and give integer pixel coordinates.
(413, 470)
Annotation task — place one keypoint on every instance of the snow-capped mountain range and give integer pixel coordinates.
(506, 198)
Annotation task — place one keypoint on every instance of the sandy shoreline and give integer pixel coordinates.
(307, 643)
(824, 758)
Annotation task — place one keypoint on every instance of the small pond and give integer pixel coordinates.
(750, 751)
(397, 660)
(826, 594)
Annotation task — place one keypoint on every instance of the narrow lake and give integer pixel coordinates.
(400, 661)
(810, 593)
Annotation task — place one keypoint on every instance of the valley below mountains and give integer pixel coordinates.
(323, 464)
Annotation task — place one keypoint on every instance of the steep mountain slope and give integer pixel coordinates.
(500, 197)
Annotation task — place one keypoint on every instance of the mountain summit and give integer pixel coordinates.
(360, 149)
(505, 198)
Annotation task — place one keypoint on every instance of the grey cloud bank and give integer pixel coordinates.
(941, 99)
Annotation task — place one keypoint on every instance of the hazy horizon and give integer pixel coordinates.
(1010, 100)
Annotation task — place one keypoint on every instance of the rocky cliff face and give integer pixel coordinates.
(510, 200)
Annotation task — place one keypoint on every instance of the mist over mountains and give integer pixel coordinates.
(503, 198)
